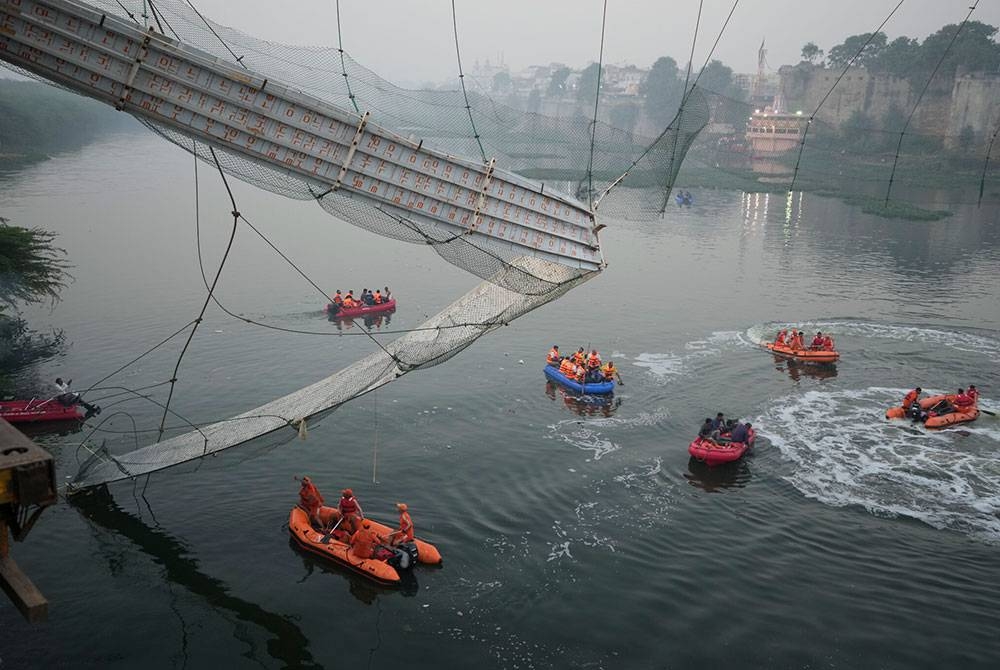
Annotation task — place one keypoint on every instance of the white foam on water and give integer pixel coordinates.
(939, 337)
(588, 436)
(661, 365)
(847, 453)
(669, 365)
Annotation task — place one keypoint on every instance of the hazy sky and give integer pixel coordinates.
(411, 41)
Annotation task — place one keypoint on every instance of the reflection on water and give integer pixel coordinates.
(287, 643)
(583, 405)
(364, 590)
(713, 479)
(371, 321)
(798, 369)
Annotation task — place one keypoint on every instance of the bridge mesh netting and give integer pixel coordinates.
(630, 175)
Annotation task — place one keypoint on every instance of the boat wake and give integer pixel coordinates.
(671, 365)
(847, 453)
(589, 435)
(984, 345)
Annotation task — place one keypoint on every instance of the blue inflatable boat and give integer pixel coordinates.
(600, 388)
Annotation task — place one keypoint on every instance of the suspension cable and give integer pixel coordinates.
(343, 65)
(986, 166)
(239, 59)
(597, 100)
(461, 78)
(899, 144)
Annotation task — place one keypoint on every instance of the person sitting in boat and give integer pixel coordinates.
(337, 298)
(554, 357)
(594, 360)
(350, 510)
(780, 339)
(386, 294)
(740, 433)
(973, 393)
(405, 531)
(67, 398)
(365, 540)
(369, 298)
(609, 371)
(580, 374)
(827, 343)
(567, 368)
(911, 397)
(310, 500)
(797, 343)
(378, 297)
(706, 430)
(349, 300)
(962, 401)
(817, 342)
(580, 357)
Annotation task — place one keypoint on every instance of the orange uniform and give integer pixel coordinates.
(567, 368)
(553, 358)
(405, 531)
(910, 398)
(364, 540)
(780, 339)
(609, 371)
(378, 297)
(593, 361)
(310, 499)
(579, 357)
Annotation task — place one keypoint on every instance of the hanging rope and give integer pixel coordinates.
(239, 59)
(343, 65)
(899, 144)
(986, 166)
(461, 78)
(805, 133)
(597, 100)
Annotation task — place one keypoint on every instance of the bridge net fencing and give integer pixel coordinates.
(629, 174)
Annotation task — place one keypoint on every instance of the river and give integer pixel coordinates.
(573, 535)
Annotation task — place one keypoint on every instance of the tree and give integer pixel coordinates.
(586, 89)
(811, 52)
(842, 54)
(663, 90)
(898, 58)
(855, 132)
(974, 49)
(716, 77)
(557, 84)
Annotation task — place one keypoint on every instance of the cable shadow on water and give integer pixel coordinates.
(286, 644)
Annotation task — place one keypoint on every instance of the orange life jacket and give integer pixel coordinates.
(609, 371)
(309, 498)
(338, 299)
(963, 400)
(910, 398)
(553, 356)
(378, 298)
(594, 361)
(780, 339)
(348, 506)
(363, 542)
(349, 302)
(406, 526)
(828, 343)
(974, 394)
(580, 374)
(567, 368)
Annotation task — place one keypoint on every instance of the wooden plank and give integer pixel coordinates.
(22, 592)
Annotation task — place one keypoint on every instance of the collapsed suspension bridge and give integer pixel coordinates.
(271, 125)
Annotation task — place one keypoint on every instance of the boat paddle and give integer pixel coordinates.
(986, 411)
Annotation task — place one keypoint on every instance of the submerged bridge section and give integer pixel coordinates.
(335, 152)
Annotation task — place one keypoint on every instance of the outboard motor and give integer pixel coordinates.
(405, 556)
(915, 412)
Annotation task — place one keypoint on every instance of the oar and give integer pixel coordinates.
(986, 411)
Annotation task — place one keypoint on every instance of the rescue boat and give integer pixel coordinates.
(717, 453)
(34, 410)
(363, 310)
(334, 546)
(595, 388)
(811, 355)
(932, 419)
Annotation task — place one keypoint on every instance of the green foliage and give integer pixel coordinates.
(31, 268)
(841, 55)
(974, 49)
(663, 90)
(586, 89)
(811, 52)
(20, 346)
(557, 84)
(899, 58)
(717, 78)
(37, 119)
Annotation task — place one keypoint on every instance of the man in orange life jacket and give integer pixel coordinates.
(594, 360)
(580, 374)
(973, 393)
(817, 342)
(962, 402)
(796, 342)
(405, 531)
(580, 357)
(780, 339)
(338, 299)
(364, 540)
(912, 397)
(554, 357)
(350, 510)
(828, 342)
(310, 500)
(567, 368)
(378, 297)
(349, 300)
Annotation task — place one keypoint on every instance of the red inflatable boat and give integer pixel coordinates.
(717, 453)
(364, 310)
(36, 409)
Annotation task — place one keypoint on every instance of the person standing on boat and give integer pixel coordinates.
(405, 531)
(364, 540)
(388, 296)
(378, 297)
(350, 510)
(554, 358)
(310, 500)
(337, 298)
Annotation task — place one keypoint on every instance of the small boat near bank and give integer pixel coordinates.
(38, 410)
(807, 355)
(335, 312)
(714, 453)
(333, 545)
(595, 388)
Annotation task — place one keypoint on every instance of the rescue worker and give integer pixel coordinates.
(973, 393)
(579, 357)
(580, 374)
(780, 339)
(378, 297)
(610, 372)
(349, 300)
(567, 368)
(554, 358)
(364, 540)
(337, 298)
(817, 342)
(911, 397)
(962, 401)
(828, 342)
(350, 510)
(594, 360)
(310, 500)
(405, 531)
(796, 342)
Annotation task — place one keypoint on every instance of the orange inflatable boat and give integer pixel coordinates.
(811, 355)
(334, 546)
(936, 419)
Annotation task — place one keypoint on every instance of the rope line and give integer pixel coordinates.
(239, 59)
(343, 64)
(805, 133)
(141, 356)
(899, 144)
(986, 166)
(461, 79)
(597, 100)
